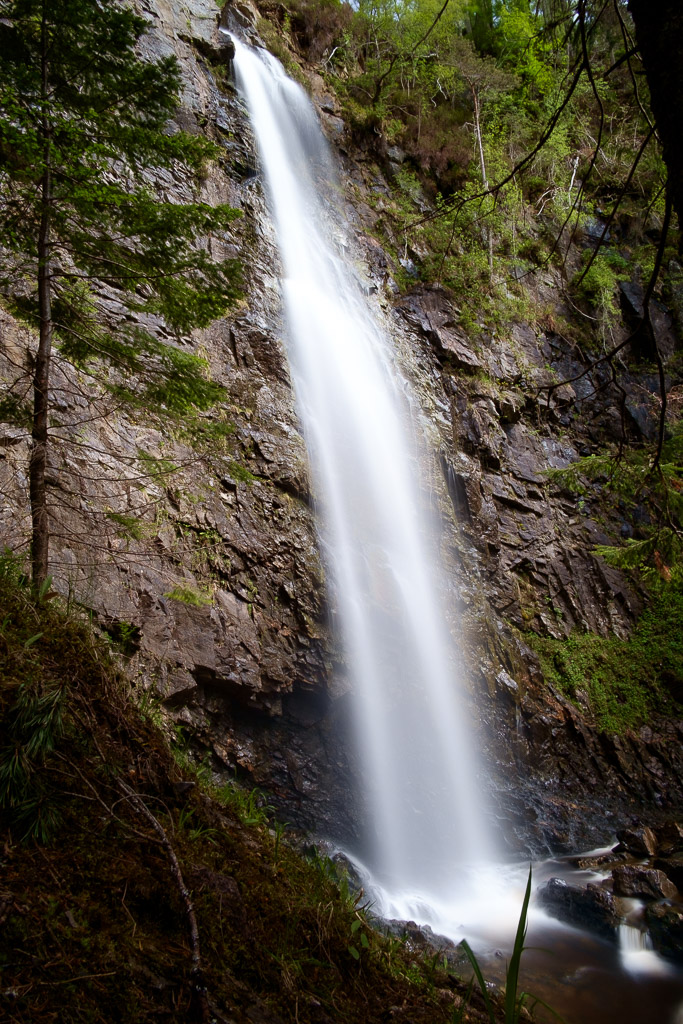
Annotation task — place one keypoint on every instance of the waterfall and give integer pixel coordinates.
(352, 401)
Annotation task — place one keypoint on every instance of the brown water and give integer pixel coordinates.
(585, 979)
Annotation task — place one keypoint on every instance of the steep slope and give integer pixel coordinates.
(134, 889)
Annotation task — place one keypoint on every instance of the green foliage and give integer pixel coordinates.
(150, 707)
(514, 1000)
(250, 805)
(205, 435)
(125, 636)
(437, 83)
(86, 142)
(195, 831)
(624, 682)
(158, 469)
(478, 974)
(626, 483)
(598, 285)
(34, 725)
(130, 527)
(15, 410)
(189, 595)
(33, 703)
(102, 105)
(241, 473)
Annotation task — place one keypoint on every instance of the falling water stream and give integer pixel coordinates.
(352, 405)
(426, 855)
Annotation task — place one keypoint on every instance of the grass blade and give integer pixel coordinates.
(540, 1002)
(512, 978)
(480, 978)
(459, 1012)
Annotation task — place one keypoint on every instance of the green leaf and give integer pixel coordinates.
(469, 952)
(512, 1004)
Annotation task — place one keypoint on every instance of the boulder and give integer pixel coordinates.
(600, 862)
(639, 840)
(592, 908)
(672, 868)
(642, 883)
(669, 838)
(665, 923)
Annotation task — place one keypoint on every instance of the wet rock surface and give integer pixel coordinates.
(641, 841)
(665, 923)
(592, 908)
(647, 888)
(643, 883)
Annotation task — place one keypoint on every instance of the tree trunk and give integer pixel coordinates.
(659, 32)
(41, 377)
(488, 230)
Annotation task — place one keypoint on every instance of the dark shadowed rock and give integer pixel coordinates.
(672, 868)
(591, 908)
(642, 882)
(640, 841)
(665, 923)
(632, 295)
(669, 838)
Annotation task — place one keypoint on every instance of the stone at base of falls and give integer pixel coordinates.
(599, 862)
(670, 838)
(640, 841)
(642, 883)
(646, 841)
(592, 908)
(672, 868)
(665, 923)
(417, 936)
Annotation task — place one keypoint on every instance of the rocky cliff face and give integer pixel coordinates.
(218, 590)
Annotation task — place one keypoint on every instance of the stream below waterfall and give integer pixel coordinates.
(584, 978)
(426, 856)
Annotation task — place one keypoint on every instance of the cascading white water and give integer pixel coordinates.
(416, 759)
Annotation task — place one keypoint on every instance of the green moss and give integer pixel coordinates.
(626, 682)
(129, 527)
(189, 595)
(277, 46)
(241, 473)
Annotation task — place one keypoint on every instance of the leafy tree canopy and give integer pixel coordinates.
(77, 105)
(86, 144)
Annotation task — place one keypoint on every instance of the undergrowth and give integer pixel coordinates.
(134, 889)
(625, 682)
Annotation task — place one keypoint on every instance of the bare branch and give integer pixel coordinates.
(197, 974)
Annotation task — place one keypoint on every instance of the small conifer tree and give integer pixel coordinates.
(84, 128)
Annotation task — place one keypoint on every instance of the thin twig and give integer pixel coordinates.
(197, 973)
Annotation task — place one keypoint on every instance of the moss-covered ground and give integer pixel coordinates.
(95, 925)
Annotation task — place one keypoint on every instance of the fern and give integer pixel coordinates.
(35, 725)
(626, 482)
